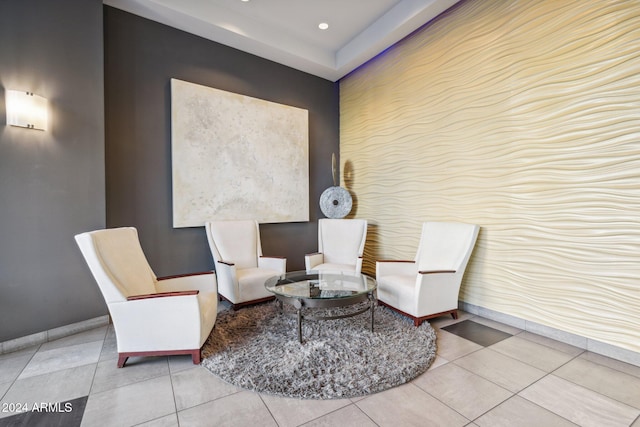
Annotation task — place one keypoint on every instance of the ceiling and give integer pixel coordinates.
(286, 31)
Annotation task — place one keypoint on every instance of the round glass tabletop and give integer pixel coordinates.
(320, 284)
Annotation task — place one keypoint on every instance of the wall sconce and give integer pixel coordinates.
(26, 110)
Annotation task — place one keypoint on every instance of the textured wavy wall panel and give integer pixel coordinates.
(523, 117)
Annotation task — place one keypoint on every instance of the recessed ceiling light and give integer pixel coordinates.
(323, 25)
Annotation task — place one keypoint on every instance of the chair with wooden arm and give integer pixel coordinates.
(151, 316)
(240, 266)
(429, 285)
(340, 245)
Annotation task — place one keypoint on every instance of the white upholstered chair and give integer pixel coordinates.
(340, 245)
(429, 285)
(151, 316)
(240, 267)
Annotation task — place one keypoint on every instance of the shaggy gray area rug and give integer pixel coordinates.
(257, 348)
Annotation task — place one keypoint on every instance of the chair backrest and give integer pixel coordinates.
(445, 245)
(235, 241)
(341, 241)
(117, 263)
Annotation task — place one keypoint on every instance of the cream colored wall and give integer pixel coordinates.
(522, 117)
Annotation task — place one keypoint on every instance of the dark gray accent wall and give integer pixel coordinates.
(141, 56)
(51, 183)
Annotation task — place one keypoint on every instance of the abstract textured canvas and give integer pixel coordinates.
(236, 157)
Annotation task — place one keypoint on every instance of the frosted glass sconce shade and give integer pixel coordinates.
(26, 110)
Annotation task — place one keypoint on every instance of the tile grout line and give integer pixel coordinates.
(540, 379)
(455, 410)
(325, 414)
(513, 394)
(268, 409)
(95, 371)
(472, 373)
(590, 389)
(573, 357)
(173, 393)
(364, 413)
(13, 382)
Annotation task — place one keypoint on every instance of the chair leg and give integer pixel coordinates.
(122, 359)
(454, 314)
(417, 322)
(195, 357)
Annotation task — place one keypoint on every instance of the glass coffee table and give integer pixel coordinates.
(320, 289)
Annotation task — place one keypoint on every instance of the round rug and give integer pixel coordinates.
(257, 348)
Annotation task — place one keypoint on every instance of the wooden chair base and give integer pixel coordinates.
(417, 321)
(122, 357)
(246, 303)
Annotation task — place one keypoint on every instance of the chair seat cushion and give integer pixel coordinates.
(398, 291)
(251, 283)
(335, 267)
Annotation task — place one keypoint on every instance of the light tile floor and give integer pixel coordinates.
(522, 379)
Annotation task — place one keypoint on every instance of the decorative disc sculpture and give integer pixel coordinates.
(335, 202)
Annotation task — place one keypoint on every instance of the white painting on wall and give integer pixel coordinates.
(237, 157)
